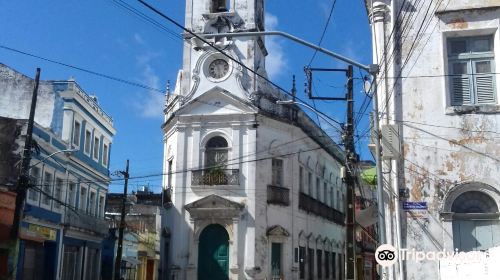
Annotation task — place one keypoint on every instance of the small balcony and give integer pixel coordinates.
(278, 195)
(318, 208)
(85, 221)
(215, 176)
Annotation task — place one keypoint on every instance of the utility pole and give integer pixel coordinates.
(350, 163)
(119, 252)
(23, 181)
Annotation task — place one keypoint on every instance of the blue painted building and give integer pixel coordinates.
(63, 225)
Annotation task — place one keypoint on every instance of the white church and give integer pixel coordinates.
(256, 188)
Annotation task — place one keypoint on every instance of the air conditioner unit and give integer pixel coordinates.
(391, 147)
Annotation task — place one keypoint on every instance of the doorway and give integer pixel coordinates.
(213, 253)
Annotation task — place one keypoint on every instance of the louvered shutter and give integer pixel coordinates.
(485, 89)
(461, 90)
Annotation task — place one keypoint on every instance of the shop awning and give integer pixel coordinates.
(369, 176)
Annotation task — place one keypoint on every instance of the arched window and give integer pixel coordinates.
(474, 202)
(218, 6)
(216, 152)
(475, 222)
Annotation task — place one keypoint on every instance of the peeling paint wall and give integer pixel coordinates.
(15, 99)
(443, 146)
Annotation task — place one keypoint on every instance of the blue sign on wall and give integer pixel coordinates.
(414, 205)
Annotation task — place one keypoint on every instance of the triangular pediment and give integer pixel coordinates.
(277, 230)
(216, 101)
(213, 201)
(214, 207)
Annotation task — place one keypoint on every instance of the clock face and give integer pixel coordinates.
(218, 68)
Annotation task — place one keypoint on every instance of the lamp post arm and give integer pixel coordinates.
(291, 37)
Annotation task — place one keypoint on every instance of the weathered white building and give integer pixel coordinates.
(439, 92)
(256, 188)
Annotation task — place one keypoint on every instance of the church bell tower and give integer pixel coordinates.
(204, 66)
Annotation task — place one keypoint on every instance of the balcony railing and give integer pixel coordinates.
(278, 195)
(85, 221)
(215, 176)
(318, 208)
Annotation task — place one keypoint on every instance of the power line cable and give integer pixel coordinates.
(84, 70)
(324, 31)
(171, 20)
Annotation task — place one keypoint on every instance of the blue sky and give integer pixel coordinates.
(102, 36)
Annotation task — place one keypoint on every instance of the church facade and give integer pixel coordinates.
(255, 189)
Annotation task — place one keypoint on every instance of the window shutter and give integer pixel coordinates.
(485, 89)
(461, 90)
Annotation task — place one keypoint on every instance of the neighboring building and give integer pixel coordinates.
(439, 107)
(63, 224)
(256, 187)
(366, 219)
(141, 253)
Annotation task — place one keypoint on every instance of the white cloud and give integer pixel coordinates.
(276, 62)
(138, 39)
(150, 104)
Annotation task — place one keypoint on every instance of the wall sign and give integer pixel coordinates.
(414, 205)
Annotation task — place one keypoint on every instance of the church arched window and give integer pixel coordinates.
(216, 151)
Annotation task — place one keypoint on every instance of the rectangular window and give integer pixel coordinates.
(83, 199)
(340, 265)
(319, 264)
(96, 148)
(58, 193)
(76, 134)
(325, 193)
(34, 181)
(101, 206)
(338, 201)
(310, 261)
(301, 179)
(276, 269)
(334, 265)
(92, 202)
(47, 188)
(327, 265)
(87, 141)
(302, 262)
(71, 194)
(471, 65)
(331, 198)
(277, 169)
(318, 189)
(105, 154)
(310, 183)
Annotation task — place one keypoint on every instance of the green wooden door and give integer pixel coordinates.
(213, 254)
